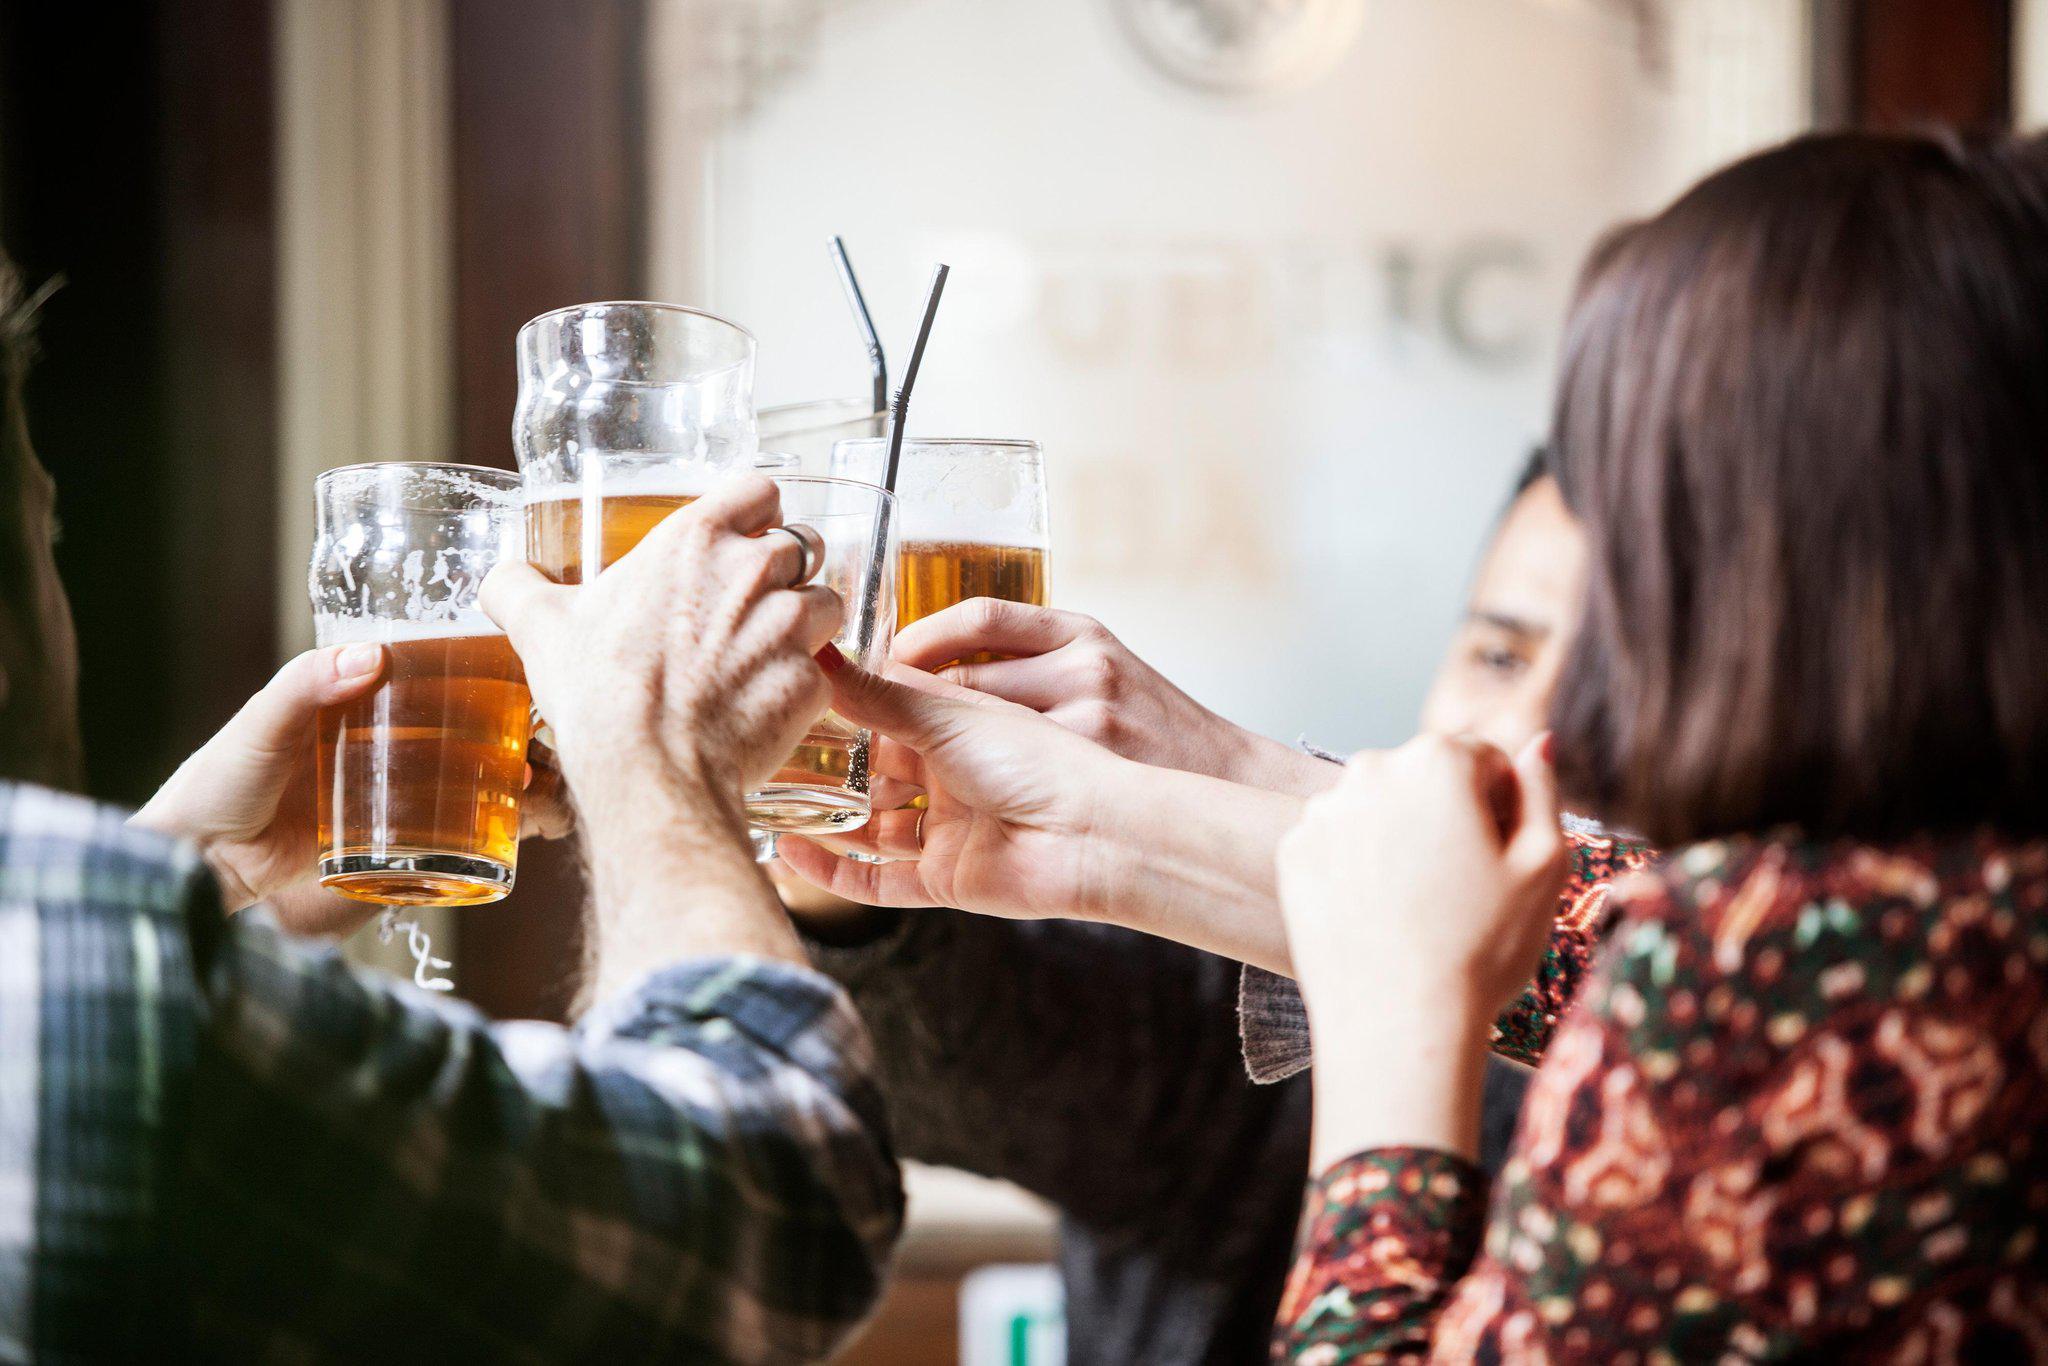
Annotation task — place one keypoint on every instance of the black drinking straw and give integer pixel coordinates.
(901, 410)
(878, 366)
(898, 413)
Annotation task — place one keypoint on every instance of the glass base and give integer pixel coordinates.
(793, 809)
(390, 879)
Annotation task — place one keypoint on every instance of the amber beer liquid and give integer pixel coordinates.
(933, 575)
(822, 786)
(419, 782)
(555, 539)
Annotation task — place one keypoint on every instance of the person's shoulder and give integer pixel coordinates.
(58, 844)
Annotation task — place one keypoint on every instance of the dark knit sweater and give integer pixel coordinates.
(1099, 1069)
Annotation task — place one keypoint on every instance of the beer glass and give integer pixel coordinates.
(418, 783)
(810, 430)
(974, 520)
(822, 788)
(635, 407)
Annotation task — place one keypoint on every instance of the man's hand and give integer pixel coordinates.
(691, 656)
(246, 797)
(672, 681)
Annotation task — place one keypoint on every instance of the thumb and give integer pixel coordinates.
(915, 711)
(279, 717)
(1537, 838)
(520, 599)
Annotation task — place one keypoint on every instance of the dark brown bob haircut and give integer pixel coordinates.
(1803, 415)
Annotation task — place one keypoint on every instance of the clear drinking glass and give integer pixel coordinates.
(419, 782)
(974, 520)
(646, 400)
(823, 786)
(809, 430)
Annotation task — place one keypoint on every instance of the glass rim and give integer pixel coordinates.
(1015, 443)
(839, 481)
(654, 305)
(453, 466)
(852, 410)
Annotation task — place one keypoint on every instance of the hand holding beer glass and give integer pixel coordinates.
(419, 780)
(974, 520)
(629, 412)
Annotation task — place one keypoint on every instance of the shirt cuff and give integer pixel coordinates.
(1272, 1025)
(792, 1011)
(1388, 1232)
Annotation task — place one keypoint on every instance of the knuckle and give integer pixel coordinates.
(1101, 671)
(760, 576)
(1091, 718)
(782, 614)
(983, 614)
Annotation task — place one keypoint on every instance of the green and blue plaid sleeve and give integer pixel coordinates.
(339, 1166)
(98, 1028)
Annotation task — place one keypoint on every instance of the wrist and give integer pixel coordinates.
(1377, 1086)
(1367, 1007)
(1188, 857)
(1275, 767)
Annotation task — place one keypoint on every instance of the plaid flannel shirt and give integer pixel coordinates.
(215, 1140)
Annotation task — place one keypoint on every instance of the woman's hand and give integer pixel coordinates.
(1069, 668)
(246, 796)
(1012, 803)
(1029, 820)
(1418, 894)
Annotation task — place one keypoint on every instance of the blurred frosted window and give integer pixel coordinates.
(1276, 282)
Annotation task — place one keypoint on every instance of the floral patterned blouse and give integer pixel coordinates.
(1798, 1110)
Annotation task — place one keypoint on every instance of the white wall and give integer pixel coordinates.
(1283, 352)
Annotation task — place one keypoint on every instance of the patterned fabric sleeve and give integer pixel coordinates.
(1388, 1232)
(1273, 1025)
(699, 1170)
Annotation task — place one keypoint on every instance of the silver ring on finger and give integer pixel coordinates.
(810, 552)
(917, 828)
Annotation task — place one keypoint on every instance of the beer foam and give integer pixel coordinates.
(648, 483)
(949, 526)
(332, 629)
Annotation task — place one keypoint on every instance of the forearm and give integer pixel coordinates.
(1190, 858)
(673, 878)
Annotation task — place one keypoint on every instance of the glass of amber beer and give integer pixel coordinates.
(646, 398)
(419, 782)
(974, 520)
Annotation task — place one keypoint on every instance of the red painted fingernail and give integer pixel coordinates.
(1549, 750)
(829, 659)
